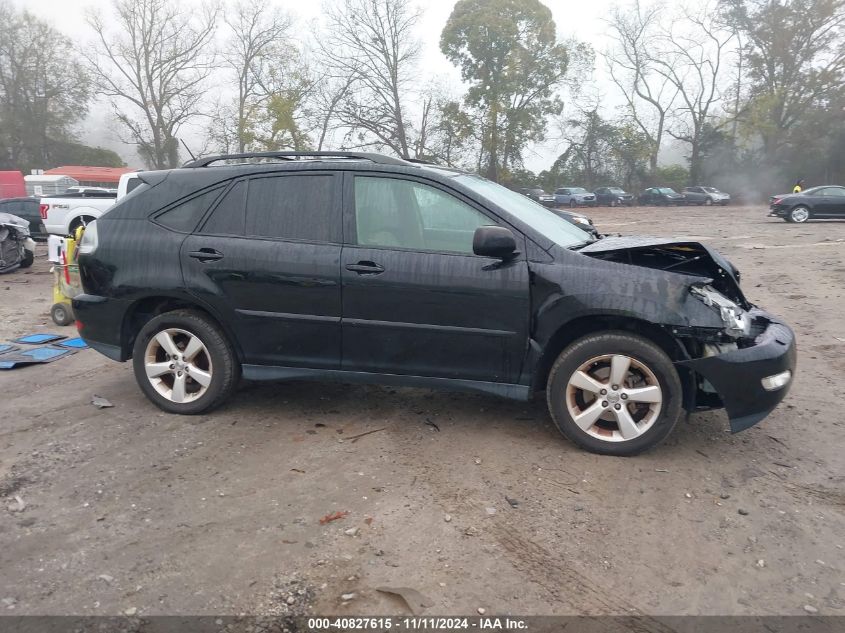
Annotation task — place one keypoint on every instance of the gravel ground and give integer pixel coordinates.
(474, 501)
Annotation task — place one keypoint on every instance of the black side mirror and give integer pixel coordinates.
(493, 241)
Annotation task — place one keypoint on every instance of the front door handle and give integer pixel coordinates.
(206, 255)
(365, 268)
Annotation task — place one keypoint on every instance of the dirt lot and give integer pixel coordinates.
(129, 508)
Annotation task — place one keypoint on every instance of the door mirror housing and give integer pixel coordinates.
(494, 241)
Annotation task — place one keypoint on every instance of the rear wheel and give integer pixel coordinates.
(799, 215)
(184, 363)
(614, 393)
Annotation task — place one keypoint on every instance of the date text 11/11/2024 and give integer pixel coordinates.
(417, 624)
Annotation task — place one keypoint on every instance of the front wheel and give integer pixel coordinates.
(708, 202)
(614, 393)
(184, 363)
(572, 204)
(799, 215)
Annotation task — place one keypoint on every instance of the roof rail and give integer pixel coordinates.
(379, 159)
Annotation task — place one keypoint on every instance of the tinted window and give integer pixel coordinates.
(299, 207)
(228, 216)
(184, 216)
(398, 213)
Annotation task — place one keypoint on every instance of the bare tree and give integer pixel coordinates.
(630, 62)
(151, 59)
(370, 49)
(693, 51)
(255, 47)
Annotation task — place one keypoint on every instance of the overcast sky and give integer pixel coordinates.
(574, 18)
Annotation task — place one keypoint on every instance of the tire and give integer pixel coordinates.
(27, 259)
(157, 372)
(708, 202)
(573, 204)
(61, 314)
(798, 215)
(650, 420)
(614, 203)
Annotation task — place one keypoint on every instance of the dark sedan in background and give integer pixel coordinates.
(538, 195)
(827, 201)
(578, 219)
(706, 196)
(664, 196)
(26, 208)
(613, 197)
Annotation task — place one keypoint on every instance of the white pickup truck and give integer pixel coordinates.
(63, 214)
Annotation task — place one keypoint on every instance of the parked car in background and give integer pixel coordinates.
(63, 214)
(377, 270)
(663, 196)
(17, 250)
(613, 197)
(574, 197)
(26, 208)
(538, 195)
(827, 201)
(706, 196)
(578, 219)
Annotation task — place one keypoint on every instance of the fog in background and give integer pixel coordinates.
(606, 92)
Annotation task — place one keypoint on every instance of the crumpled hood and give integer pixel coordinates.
(673, 255)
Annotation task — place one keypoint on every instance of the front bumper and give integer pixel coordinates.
(737, 375)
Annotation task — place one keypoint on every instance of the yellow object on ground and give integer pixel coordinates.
(67, 282)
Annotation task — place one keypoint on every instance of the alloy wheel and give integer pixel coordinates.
(178, 365)
(800, 214)
(614, 398)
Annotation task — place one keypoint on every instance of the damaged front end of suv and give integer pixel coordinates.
(732, 354)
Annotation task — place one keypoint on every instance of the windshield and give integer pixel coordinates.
(560, 231)
(666, 190)
(616, 190)
(577, 190)
(711, 190)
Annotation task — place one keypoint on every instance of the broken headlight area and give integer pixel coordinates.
(737, 321)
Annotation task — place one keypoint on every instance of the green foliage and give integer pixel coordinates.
(600, 153)
(70, 153)
(508, 53)
(674, 176)
(44, 89)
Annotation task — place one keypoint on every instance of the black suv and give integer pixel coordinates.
(365, 268)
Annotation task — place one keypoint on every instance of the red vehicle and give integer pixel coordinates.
(12, 185)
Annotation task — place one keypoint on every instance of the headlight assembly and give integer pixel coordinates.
(737, 323)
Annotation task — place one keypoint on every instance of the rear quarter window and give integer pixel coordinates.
(185, 216)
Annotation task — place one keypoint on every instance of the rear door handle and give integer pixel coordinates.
(365, 268)
(206, 255)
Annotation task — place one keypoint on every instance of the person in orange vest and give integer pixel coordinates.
(799, 187)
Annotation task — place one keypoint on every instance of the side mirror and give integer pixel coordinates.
(493, 241)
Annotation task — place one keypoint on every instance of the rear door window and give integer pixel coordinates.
(228, 216)
(294, 207)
